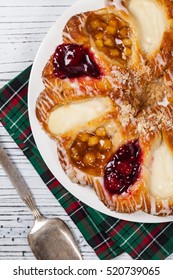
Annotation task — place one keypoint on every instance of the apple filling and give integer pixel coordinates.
(91, 151)
(111, 35)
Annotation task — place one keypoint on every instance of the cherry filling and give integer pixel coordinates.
(124, 168)
(74, 61)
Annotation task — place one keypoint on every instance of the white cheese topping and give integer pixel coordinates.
(69, 116)
(151, 23)
(161, 180)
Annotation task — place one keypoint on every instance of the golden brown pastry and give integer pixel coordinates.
(100, 53)
(157, 123)
(167, 80)
(139, 176)
(154, 22)
(107, 103)
(124, 187)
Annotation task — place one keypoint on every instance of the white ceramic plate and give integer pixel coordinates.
(46, 146)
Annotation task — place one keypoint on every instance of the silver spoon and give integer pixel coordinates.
(49, 239)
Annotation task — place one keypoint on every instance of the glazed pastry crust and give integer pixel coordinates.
(133, 76)
(137, 198)
(75, 31)
(115, 76)
(160, 58)
(137, 91)
(158, 128)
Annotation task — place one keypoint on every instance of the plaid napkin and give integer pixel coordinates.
(108, 236)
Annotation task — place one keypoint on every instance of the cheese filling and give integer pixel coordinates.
(161, 180)
(151, 23)
(69, 116)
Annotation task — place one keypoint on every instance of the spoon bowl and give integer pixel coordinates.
(49, 238)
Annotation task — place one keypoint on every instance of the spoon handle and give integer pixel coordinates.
(29, 201)
(20, 185)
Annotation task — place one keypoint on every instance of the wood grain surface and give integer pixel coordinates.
(23, 25)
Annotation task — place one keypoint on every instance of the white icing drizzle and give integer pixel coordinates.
(154, 118)
(153, 205)
(76, 175)
(170, 73)
(160, 63)
(165, 207)
(118, 4)
(44, 104)
(82, 20)
(164, 102)
(55, 87)
(72, 172)
(168, 83)
(117, 79)
(168, 78)
(68, 36)
(127, 204)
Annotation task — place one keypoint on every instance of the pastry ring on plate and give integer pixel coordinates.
(107, 103)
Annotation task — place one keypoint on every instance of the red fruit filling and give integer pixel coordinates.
(74, 61)
(123, 169)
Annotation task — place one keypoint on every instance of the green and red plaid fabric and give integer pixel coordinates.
(108, 236)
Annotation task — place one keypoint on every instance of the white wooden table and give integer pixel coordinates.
(23, 25)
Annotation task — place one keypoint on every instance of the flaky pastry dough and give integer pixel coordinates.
(112, 127)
